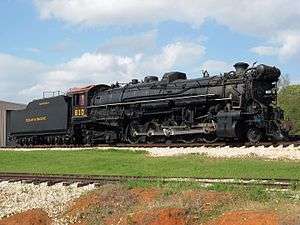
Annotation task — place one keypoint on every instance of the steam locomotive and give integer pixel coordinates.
(238, 105)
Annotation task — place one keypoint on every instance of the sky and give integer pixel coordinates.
(53, 45)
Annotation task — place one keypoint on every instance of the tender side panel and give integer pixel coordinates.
(41, 116)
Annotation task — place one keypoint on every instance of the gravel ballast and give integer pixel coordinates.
(19, 197)
(290, 152)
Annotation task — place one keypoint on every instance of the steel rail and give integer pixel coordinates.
(98, 180)
(162, 145)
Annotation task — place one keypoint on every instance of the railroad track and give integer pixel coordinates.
(295, 143)
(98, 180)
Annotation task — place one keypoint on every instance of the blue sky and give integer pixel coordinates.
(57, 44)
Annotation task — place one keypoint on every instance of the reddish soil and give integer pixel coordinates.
(112, 197)
(206, 200)
(146, 195)
(246, 218)
(114, 201)
(30, 217)
(83, 203)
(80, 223)
(169, 216)
(293, 219)
(110, 202)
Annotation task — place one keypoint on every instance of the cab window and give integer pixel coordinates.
(79, 100)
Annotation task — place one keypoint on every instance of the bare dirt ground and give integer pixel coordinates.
(246, 218)
(30, 217)
(121, 205)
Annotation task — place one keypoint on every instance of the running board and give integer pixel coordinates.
(171, 132)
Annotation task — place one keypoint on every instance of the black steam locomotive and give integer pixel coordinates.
(238, 105)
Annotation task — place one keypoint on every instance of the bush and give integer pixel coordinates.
(289, 101)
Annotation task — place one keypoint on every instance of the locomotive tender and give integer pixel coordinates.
(238, 105)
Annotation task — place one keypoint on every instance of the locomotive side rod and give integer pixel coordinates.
(172, 132)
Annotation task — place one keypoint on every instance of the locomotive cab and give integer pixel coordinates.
(79, 105)
(79, 98)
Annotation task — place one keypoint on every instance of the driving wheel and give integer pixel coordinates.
(254, 135)
(132, 130)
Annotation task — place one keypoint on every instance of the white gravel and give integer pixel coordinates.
(19, 197)
(291, 152)
(288, 152)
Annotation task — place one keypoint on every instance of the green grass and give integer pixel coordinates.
(133, 163)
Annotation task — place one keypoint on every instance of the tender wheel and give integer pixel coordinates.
(131, 133)
(254, 135)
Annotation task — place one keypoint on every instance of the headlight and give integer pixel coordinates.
(268, 92)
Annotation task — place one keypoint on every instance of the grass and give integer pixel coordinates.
(251, 193)
(140, 164)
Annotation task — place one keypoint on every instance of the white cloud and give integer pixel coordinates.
(15, 66)
(85, 70)
(17, 73)
(272, 19)
(289, 44)
(175, 56)
(112, 12)
(256, 16)
(94, 68)
(216, 66)
(265, 50)
(285, 46)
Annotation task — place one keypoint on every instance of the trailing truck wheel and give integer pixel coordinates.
(87, 138)
(210, 138)
(254, 135)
